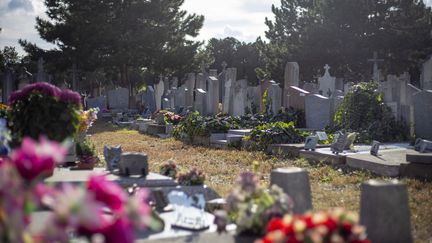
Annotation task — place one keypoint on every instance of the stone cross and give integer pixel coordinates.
(375, 60)
(327, 68)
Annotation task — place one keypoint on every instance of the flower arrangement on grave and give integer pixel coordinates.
(274, 133)
(194, 177)
(334, 225)
(87, 118)
(169, 168)
(171, 118)
(42, 109)
(4, 110)
(250, 206)
(100, 208)
(86, 153)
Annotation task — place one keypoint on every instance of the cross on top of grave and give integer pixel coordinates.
(375, 61)
(327, 68)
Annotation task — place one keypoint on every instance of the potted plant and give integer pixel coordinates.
(87, 157)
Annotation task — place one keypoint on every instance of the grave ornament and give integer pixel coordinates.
(133, 164)
(423, 145)
(311, 143)
(112, 156)
(189, 211)
(375, 148)
(339, 143)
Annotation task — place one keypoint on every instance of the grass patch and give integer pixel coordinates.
(331, 187)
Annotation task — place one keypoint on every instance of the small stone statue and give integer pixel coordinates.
(112, 156)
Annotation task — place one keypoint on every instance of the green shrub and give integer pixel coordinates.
(363, 111)
(274, 133)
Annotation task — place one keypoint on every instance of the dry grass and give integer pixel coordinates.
(330, 187)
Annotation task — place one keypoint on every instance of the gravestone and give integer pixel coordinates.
(296, 98)
(423, 145)
(41, 75)
(8, 84)
(213, 93)
(149, 99)
(253, 98)
(98, 102)
(384, 211)
(200, 103)
(295, 183)
(274, 97)
(222, 77)
(231, 77)
(311, 88)
(423, 114)
(159, 91)
(180, 99)
(347, 87)
(174, 83)
(291, 78)
(339, 84)
(426, 76)
(327, 83)
(118, 98)
(317, 111)
(133, 164)
(239, 97)
(190, 87)
(376, 74)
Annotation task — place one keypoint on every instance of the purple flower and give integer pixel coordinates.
(42, 87)
(69, 96)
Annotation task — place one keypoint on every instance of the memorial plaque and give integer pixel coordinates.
(375, 148)
(339, 146)
(322, 136)
(311, 143)
(189, 211)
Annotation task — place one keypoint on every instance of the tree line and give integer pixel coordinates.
(117, 38)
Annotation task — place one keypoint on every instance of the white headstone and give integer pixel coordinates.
(159, 91)
(292, 72)
(274, 96)
(240, 96)
(327, 83)
(190, 87)
(318, 111)
(231, 76)
(426, 77)
(213, 95)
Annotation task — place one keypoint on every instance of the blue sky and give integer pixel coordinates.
(242, 19)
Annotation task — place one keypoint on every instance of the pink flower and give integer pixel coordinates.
(138, 209)
(120, 231)
(108, 193)
(42, 87)
(69, 96)
(35, 159)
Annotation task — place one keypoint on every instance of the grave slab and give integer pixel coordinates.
(290, 149)
(63, 175)
(387, 163)
(155, 129)
(416, 157)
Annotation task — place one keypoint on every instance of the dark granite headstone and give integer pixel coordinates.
(423, 146)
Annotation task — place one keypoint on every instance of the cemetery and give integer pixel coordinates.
(295, 138)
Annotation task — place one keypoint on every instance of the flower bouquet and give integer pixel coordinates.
(101, 208)
(169, 168)
(42, 109)
(194, 177)
(334, 225)
(250, 206)
(86, 153)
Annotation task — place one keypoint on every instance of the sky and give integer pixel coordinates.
(242, 19)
